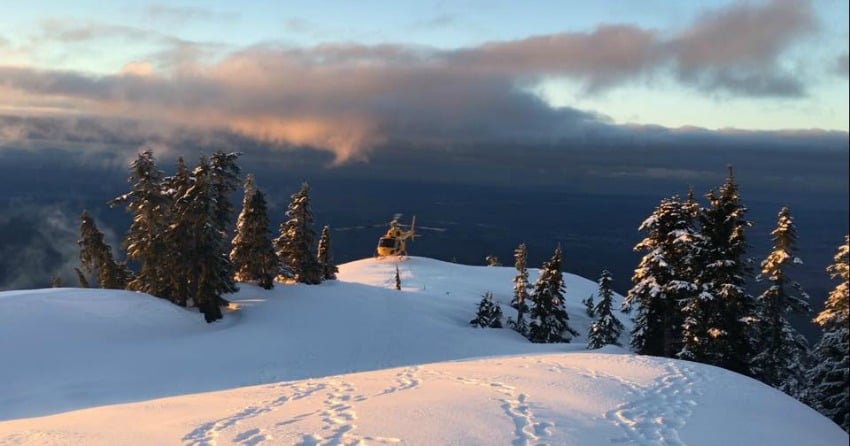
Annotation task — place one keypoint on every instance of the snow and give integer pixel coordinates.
(354, 361)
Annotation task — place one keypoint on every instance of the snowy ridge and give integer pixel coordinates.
(356, 362)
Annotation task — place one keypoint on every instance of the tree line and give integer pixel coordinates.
(689, 300)
(179, 237)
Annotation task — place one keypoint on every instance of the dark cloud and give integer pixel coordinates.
(350, 97)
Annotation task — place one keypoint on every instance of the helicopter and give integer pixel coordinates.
(394, 242)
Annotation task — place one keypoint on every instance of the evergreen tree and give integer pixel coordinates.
(397, 279)
(96, 257)
(489, 313)
(549, 318)
(722, 332)
(829, 392)
(144, 242)
(325, 256)
(782, 351)
(252, 255)
(224, 180)
(521, 287)
(661, 280)
(178, 236)
(294, 246)
(588, 306)
(81, 277)
(206, 266)
(606, 329)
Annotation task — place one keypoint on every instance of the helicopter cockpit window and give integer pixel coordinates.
(386, 243)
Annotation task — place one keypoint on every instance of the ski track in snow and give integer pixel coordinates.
(657, 413)
(527, 429)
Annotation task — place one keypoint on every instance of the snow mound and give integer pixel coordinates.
(354, 361)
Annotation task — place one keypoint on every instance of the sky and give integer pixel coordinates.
(348, 76)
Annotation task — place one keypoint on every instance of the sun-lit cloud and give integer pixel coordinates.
(349, 97)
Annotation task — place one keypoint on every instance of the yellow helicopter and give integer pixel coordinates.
(394, 242)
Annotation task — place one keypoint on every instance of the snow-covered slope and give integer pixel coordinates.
(69, 349)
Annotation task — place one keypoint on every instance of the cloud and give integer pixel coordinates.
(180, 15)
(349, 97)
(737, 48)
(842, 65)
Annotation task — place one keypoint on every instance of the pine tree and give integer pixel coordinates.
(521, 287)
(829, 392)
(782, 351)
(96, 257)
(81, 278)
(178, 235)
(549, 318)
(661, 280)
(224, 180)
(606, 329)
(206, 266)
(294, 246)
(325, 256)
(144, 241)
(588, 306)
(397, 279)
(252, 255)
(721, 319)
(489, 313)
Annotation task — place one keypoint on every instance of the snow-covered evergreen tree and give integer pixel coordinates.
(224, 180)
(606, 329)
(722, 331)
(549, 321)
(206, 267)
(782, 351)
(489, 313)
(829, 392)
(521, 287)
(144, 241)
(325, 256)
(588, 306)
(96, 257)
(397, 279)
(662, 280)
(252, 254)
(294, 246)
(178, 236)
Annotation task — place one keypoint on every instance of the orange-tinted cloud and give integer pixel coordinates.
(350, 97)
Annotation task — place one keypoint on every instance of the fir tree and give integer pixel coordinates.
(549, 318)
(588, 306)
(782, 351)
(294, 246)
(829, 392)
(606, 329)
(661, 280)
(206, 266)
(397, 279)
(325, 256)
(81, 278)
(96, 257)
(144, 241)
(721, 319)
(521, 286)
(178, 235)
(489, 313)
(252, 255)
(224, 180)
